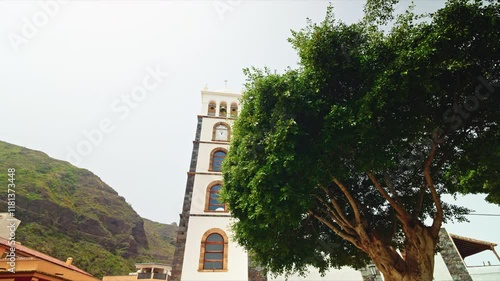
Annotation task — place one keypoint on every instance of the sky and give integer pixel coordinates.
(114, 86)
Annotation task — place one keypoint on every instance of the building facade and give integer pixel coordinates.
(205, 249)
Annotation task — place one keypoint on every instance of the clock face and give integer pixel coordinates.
(221, 133)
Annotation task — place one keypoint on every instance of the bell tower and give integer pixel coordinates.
(205, 249)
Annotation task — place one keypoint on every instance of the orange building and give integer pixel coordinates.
(20, 263)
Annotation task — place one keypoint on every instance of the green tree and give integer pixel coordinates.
(344, 159)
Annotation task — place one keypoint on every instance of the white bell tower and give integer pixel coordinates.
(205, 249)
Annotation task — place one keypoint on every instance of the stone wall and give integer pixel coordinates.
(184, 217)
(452, 258)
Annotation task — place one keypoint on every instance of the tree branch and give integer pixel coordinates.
(390, 184)
(438, 219)
(337, 231)
(360, 226)
(337, 206)
(399, 209)
(394, 228)
(351, 200)
(344, 225)
(420, 201)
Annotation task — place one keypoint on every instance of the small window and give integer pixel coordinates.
(213, 252)
(213, 198)
(216, 159)
(223, 109)
(211, 108)
(221, 132)
(234, 110)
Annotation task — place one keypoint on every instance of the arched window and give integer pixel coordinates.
(216, 158)
(213, 252)
(221, 132)
(213, 203)
(234, 110)
(223, 109)
(211, 108)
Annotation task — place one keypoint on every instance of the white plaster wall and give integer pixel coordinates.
(237, 257)
(485, 273)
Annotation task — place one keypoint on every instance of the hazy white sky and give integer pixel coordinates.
(68, 70)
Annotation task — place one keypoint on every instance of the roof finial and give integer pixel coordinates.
(225, 82)
(206, 87)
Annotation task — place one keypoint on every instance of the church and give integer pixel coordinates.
(205, 249)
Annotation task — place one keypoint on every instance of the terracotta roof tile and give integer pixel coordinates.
(23, 250)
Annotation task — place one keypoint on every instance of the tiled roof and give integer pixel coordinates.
(467, 246)
(25, 251)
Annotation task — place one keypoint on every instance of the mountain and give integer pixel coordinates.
(66, 211)
(163, 237)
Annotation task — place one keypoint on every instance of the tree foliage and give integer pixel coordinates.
(343, 159)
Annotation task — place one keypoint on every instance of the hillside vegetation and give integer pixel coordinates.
(66, 211)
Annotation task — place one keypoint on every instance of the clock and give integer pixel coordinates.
(221, 133)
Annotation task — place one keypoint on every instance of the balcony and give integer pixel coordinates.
(153, 271)
(160, 276)
(145, 275)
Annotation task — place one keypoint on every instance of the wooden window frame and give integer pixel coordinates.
(212, 154)
(207, 198)
(202, 250)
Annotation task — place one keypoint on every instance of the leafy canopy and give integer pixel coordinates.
(366, 106)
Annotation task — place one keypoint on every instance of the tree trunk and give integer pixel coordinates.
(416, 263)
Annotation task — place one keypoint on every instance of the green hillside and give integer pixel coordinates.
(69, 212)
(162, 236)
